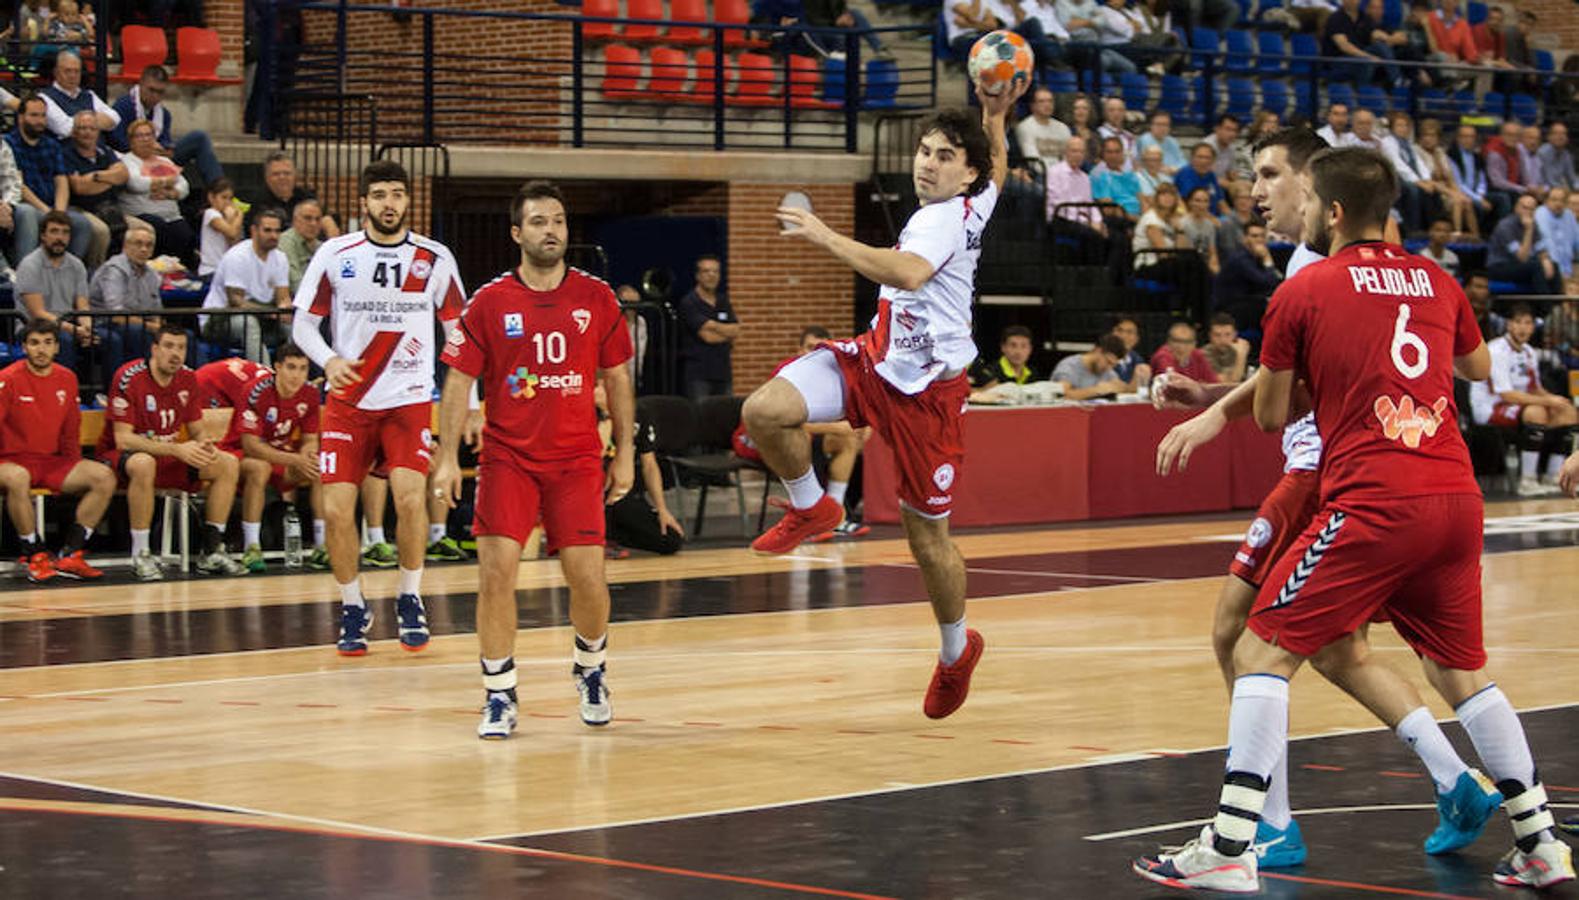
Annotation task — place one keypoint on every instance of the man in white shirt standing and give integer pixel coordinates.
(251, 275)
(906, 377)
(1513, 397)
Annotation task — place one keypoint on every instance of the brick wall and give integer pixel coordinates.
(779, 284)
(1558, 25)
(228, 18)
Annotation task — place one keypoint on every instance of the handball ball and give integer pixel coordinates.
(999, 60)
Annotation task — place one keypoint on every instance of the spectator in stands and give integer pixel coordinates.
(1364, 133)
(1083, 125)
(281, 189)
(51, 282)
(302, 239)
(1348, 33)
(1159, 229)
(1091, 374)
(1571, 288)
(1513, 396)
(1132, 368)
(1461, 208)
(1226, 351)
(1124, 30)
(1180, 354)
(1516, 38)
(1516, 251)
(1039, 135)
(1557, 161)
(1199, 226)
(220, 228)
(1160, 135)
(252, 275)
(1420, 198)
(68, 25)
(1337, 124)
(1112, 182)
(1469, 171)
(1156, 33)
(1556, 222)
(146, 101)
(1067, 182)
(1490, 41)
(1477, 287)
(154, 189)
(42, 165)
(1312, 15)
(1395, 41)
(126, 284)
(838, 14)
(94, 176)
(1218, 15)
(67, 97)
(1151, 175)
(1508, 180)
(1451, 35)
(1437, 250)
(1080, 20)
(1231, 225)
(967, 21)
(1265, 122)
(710, 332)
(1201, 174)
(1248, 278)
(1013, 362)
(1420, 45)
(1224, 141)
(1113, 119)
(1530, 159)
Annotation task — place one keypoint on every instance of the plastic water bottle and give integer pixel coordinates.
(293, 539)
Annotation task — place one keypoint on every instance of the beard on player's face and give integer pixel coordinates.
(380, 222)
(544, 253)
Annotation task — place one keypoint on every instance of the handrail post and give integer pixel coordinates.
(427, 77)
(577, 79)
(718, 87)
(852, 65)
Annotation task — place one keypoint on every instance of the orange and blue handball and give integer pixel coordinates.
(999, 60)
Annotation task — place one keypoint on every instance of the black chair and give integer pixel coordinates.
(1488, 444)
(713, 461)
(673, 423)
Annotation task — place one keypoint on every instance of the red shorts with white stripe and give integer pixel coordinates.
(1283, 515)
(1415, 559)
(44, 471)
(351, 440)
(567, 497)
(1505, 415)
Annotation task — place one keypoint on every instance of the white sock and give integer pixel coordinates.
(251, 533)
(87, 533)
(1554, 466)
(1424, 736)
(836, 490)
(1529, 464)
(498, 676)
(590, 654)
(436, 532)
(139, 541)
(351, 593)
(410, 580)
(317, 532)
(375, 535)
(805, 491)
(30, 537)
(1278, 812)
(1257, 736)
(953, 641)
(1498, 737)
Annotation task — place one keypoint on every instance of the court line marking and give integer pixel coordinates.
(1362, 886)
(332, 828)
(1196, 823)
(1125, 578)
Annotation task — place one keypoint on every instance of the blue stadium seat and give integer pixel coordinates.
(1435, 102)
(1136, 90)
(1241, 51)
(1062, 81)
(1371, 97)
(1273, 59)
(1398, 98)
(1274, 97)
(1493, 103)
(1304, 101)
(1392, 14)
(1526, 110)
(1201, 105)
(1303, 45)
(1477, 12)
(1341, 92)
(1175, 96)
(1205, 42)
(1546, 64)
(1463, 102)
(1509, 287)
(1241, 98)
(882, 83)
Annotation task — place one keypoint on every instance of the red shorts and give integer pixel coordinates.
(351, 440)
(1283, 515)
(1416, 559)
(1505, 415)
(47, 472)
(278, 480)
(566, 497)
(925, 430)
(170, 474)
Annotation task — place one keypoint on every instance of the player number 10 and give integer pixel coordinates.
(550, 347)
(1402, 338)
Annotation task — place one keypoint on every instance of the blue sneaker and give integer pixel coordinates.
(1279, 848)
(413, 622)
(1463, 812)
(498, 717)
(354, 623)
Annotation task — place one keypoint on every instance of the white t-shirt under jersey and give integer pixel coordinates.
(1301, 440)
(1511, 370)
(919, 335)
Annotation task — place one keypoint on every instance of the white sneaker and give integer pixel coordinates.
(1198, 865)
(1529, 487)
(595, 706)
(498, 718)
(1551, 862)
(146, 567)
(220, 563)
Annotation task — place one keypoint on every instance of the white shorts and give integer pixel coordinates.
(820, 382)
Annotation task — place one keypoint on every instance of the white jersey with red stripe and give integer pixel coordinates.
(1301, 440)
(1511, 370)
(919, 335)
(380, 300)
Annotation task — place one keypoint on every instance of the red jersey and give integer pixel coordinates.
(153, 411)
(39, 414)
(1374, 331)
(224, 383)
(537, 355)
(280, 422)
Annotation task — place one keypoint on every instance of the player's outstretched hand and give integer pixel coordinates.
(1180, 442)
(1171, 390)
(803, 223)
(342, 373)
(622, 475)
(445, 480)
(1568, 479)
(999, 104)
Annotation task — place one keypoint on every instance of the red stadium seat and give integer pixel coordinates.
(668, 71)
(603, 9)
(805, 79)
(621, 71)
(643, 9)
(688, 35)
(757, 81)
(704, 74)
(735, 12)
(197, 56)
(141, 47)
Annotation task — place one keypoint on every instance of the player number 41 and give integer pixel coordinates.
(1403, 337)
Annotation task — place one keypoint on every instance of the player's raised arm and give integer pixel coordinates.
(994, 115)
(896, 268)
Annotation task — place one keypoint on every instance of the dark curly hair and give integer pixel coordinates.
(963, 129)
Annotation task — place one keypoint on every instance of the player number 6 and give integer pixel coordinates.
(1402, 338)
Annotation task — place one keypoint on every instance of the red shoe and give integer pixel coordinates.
(798, 526)
(951, 684)
(40, 567)
(73, 565)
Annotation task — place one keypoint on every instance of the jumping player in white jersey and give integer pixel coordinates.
(1465, 800)
(380, 289)
(906, 376)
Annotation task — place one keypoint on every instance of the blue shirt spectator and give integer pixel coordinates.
(1122, 188)
(40, 162)
(1160, 134)
(1557, 222)
(1200, 174)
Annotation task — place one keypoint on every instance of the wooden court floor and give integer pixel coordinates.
(203, 736)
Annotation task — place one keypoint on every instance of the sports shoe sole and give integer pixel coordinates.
(1186, 886)
(361, 652)
(415, 648)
